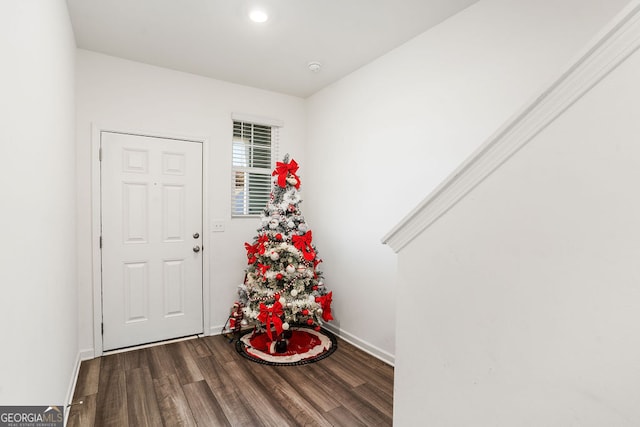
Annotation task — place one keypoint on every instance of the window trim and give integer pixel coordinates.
(242, 120)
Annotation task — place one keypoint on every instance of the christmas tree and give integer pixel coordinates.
(283, 287)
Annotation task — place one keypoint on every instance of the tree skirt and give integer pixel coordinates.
(304, 346)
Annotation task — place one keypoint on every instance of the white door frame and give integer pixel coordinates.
(96, 255)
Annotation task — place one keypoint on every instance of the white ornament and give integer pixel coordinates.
(273, 224)
(282, 300)
(291, 197)
(274, 255)
(303, 227)
(285, 326)
(319, 311)
(294, 293)
(312, 298)
(290, 268)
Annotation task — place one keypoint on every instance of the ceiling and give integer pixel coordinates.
(215, 38)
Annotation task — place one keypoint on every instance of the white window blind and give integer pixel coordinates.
(255, 148)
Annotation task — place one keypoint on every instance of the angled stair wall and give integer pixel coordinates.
(518, 277)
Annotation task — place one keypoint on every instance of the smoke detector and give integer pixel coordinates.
(314, 66)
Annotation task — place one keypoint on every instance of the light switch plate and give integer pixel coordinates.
(217, 226)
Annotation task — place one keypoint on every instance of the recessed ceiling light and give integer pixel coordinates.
(257, 15)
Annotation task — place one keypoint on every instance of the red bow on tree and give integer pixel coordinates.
(263, 268)
(283, 170)
(271, 315)
(260, 245)
(303, 243)
(251, 252)
(325, 303)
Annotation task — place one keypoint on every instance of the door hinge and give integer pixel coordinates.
(102, 328)
(100, 242)
(100, 154)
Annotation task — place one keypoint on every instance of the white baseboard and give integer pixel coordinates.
(87, 354)
(215, 330)
(72, 387)
(365, 346)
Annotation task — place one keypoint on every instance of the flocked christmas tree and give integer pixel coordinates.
(283, 286)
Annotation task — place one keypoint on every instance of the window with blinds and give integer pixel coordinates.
(254, 150)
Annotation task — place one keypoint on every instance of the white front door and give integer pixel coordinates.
(151, 196)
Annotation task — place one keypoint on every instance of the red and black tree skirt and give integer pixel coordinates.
(305, 345)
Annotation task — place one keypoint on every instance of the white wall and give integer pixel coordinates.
(381, 139)
(132, 96)
(38, 307)
(527, 290)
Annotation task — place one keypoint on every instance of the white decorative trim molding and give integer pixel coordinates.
(365, 346)
(87, 354)
(216, 330)
(258, 120)
(72, 387)
(610, 48)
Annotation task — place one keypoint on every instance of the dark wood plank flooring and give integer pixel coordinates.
(205, 382)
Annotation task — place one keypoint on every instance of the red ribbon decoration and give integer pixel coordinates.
(263, 268)
(251, 252)
(271, 315)
(261, 241)
(283, 170)
(325, 303)
(303, 243)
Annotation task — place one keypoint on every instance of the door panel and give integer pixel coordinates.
(151, 209)
(136, 287)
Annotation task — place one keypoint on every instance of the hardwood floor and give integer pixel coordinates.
(205, 382)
